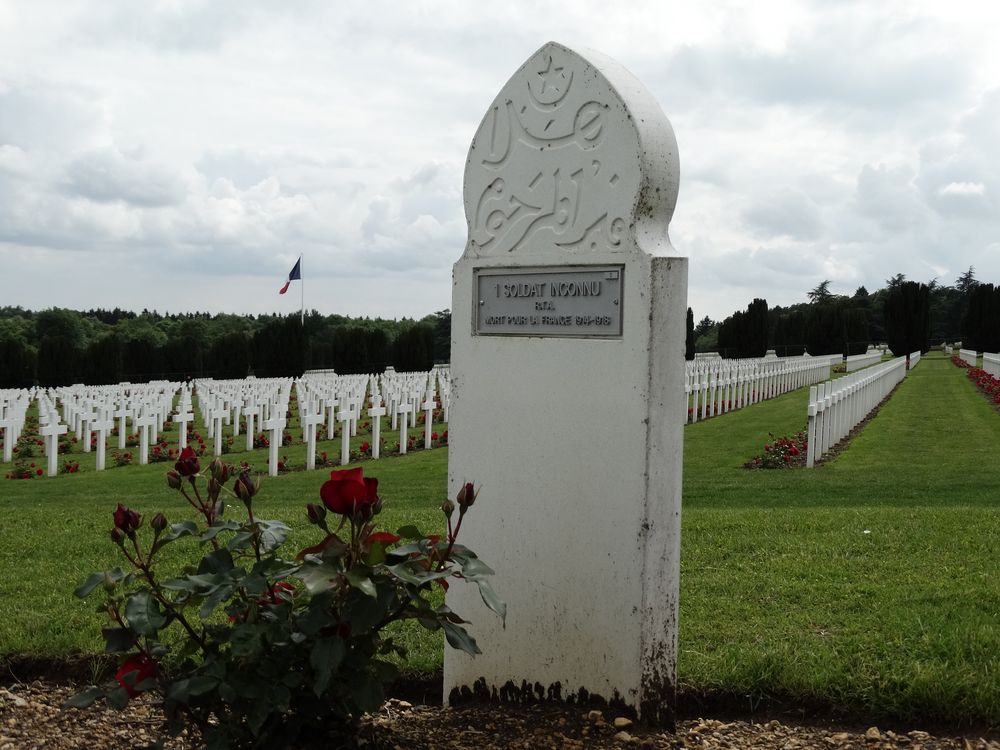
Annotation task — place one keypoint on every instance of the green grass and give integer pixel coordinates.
(54, 533)
(868, 585)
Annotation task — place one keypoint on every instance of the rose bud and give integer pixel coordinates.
(466, 495)
(159, 523)
(316, 513)
(117, 536)
(188, 465)
(173, 480)
(448, 507)
(244, 487)
(127, 520)
(219, 469)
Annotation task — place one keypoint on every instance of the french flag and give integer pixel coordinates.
(295, 273)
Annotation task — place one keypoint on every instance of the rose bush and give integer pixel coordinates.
(781, 453)
(253, 649)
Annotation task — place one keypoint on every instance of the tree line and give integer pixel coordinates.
(906, 315)
(98, 347)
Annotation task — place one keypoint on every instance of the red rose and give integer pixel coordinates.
(365, 446)
(137, 669)
(187, 464)
(434, 436)
(39, 472)
(348, 491)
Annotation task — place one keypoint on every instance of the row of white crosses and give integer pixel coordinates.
(991, 363)
(13, 407)
(857, 362)
(95, 409)
(968, 356)
(913, 359)
(717, 386)
(837, 406)
(263, 402)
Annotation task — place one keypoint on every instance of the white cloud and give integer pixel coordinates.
(193, 149)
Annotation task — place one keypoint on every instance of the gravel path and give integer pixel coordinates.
(30, 718)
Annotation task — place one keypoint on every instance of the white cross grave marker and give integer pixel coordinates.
(309, 424)
(376, 413)
(102, 426)
(275, 425)
(50, 434)
(143, 425)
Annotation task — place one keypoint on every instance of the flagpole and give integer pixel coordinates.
(302, 283)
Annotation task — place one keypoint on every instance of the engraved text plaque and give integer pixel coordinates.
(565, 301)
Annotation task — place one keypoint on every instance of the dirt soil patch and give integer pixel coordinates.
(31, 717)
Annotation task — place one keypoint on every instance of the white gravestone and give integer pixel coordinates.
(250, 410)
(102, 427)
(50, 434)
(144, 424)
(428, 406)
(568, 290)
(181, 419)
(309, 424)
(122, 415)
(375, 414)
(344, 416)
(274, 427)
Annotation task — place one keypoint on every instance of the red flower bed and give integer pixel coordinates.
(989, 385)
(781, 453)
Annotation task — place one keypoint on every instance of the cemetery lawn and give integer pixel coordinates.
(867, 586)
(54, 533)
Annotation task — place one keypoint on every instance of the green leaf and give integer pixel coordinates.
(325, 657)
(214, 599)
(358, 578)
(84, 699)
(143, 613)
(240, 540)
(491, 600)
(216, 561)
(246, 641)
(216, 528)
(459, 638)
(92, 582)
(201, 684)
(96, 579)
(117, 698)
(118, 640)
(177, 530)
(363, 613)
(273, 534)
(475, 567)
(318, 577)
(409, 532)
(417, 576)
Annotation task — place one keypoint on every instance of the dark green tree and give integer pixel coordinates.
(745, 334)
(907, 318)
(981, 325)
(689, 338)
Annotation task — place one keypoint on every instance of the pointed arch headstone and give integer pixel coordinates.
(569, 308)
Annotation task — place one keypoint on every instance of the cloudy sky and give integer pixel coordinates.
(181, 154)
